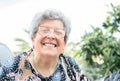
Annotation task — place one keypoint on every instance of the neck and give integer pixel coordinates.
(44, 66)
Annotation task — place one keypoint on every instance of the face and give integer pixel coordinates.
(49, 40)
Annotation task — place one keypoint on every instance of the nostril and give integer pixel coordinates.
(51, 37)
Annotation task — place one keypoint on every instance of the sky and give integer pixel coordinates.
(16, 15)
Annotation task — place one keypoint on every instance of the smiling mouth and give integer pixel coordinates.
(50, 45)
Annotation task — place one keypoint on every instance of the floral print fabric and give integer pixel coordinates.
(20, 69)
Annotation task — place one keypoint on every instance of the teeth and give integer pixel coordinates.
(50, 45)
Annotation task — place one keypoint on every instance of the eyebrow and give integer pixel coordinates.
(53, 28)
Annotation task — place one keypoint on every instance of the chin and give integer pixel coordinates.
(50, 54)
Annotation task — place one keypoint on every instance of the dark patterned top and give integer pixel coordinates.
(20, 69)
(113, 77)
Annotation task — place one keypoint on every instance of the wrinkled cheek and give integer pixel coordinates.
(36, 45)
(61, 49)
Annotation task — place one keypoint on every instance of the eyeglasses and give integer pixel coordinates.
(60, 33)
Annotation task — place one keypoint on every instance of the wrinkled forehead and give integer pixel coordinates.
(52, 23)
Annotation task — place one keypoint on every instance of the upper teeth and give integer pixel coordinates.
(48, 44)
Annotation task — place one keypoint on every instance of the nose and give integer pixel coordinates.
(51, 34)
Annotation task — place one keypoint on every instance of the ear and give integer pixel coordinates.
(64, 44)
(32, 39)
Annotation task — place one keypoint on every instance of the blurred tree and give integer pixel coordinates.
(101, 49)
(102, 52)
(113, 19)
(22, 44)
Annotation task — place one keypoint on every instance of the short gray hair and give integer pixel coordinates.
(50, 14)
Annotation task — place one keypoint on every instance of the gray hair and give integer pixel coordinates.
(50, 14)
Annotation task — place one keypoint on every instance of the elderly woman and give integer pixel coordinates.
(45, 61)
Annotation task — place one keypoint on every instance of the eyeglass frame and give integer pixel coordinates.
(48, 31)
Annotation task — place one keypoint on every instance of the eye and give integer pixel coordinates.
(59, 32)
(44, 30)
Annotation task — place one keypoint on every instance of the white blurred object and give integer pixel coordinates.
(5, 54)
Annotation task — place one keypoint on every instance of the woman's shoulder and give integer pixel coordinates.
(70, 62)
(14, 61)
(68, 59)
(73, 68)
(11, 67)
(11, 64)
